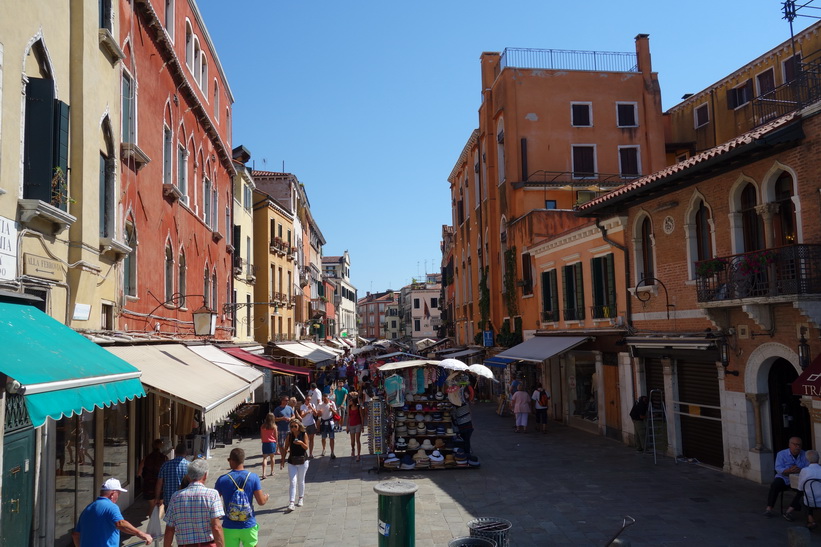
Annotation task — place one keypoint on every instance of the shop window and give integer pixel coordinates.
(626, 115)
(701, 116)
(584, 161)
(581, 115)
(550, 297)
(584, 404)
(115, 442)
(604, 287)
(572, 282)
(74, 481)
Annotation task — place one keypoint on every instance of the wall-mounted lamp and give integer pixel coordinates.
(803, 351)
(724, 354)
(205, 321)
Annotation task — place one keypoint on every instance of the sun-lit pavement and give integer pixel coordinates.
(567, 487)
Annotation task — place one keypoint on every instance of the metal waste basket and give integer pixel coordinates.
(491, 528)
(471, 542)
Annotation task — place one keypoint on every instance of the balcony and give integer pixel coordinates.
(603, 312)
(559, 59)
(550, 316)
(804, 90)
(781, 273)
(574, 314)
(279, 247)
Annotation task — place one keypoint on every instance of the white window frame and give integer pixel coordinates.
(635, 113)
(573, 163)
(216, 102)
(167, 155)
(170, 20)
(758, 84)
(182, 171)
(589, 105)
(638, 161)
(189, 45)
(695, 115)
(784, 65)
(735, 91)
(206, 200)
(197, 60)
(203, 81)
(133, 109)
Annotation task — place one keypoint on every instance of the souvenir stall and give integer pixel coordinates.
(422, 401)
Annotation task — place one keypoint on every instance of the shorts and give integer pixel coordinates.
(354, 429)
(310, 429)
(248, 537)
(282, 436)
(327, 429)
(269, 448)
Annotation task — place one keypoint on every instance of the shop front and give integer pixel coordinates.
(281, 377)
(66, 407)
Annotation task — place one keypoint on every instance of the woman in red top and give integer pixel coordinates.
(354, 425)
(268, 435)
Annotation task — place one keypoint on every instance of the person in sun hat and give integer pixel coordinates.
(101, 521)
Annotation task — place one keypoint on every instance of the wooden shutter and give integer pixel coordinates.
(610, 283)
(60, 154)
(598, 281)
(579, 291)
(39, 140)
(568, 301)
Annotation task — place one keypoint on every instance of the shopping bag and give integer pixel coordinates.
(154, 525)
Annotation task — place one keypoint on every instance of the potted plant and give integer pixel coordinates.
(710, 267)
(757, 262)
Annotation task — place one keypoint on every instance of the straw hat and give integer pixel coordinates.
(401, 443)
(428, 417)
(426, 445)
(450, 461)
(420, 427)
(420, 455)
(439, 443)
(419, 417)
(409, 397)
(407, 462)
(413, 444)
(411, 430)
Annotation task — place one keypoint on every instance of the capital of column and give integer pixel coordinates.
(756, 398)
(766, 210)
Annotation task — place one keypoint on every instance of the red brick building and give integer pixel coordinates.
(175, 172)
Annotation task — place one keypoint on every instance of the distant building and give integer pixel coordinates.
(419, 305)
(337, 271)
(379, 313)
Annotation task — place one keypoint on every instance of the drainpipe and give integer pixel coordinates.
(623, 249)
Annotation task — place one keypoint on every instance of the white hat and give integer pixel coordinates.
(428, 418)
(437, 457)
(426, 445)
(113, 485)
(419, 417)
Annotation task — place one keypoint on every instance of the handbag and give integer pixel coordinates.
(337, 417)
(154, 526)
(296, 460)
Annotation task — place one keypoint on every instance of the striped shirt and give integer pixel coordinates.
(190, 513)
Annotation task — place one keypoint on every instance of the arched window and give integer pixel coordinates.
(784, 219)
(130, 261)
(752, 229)
(169, 18)
(181, 285)
(206, 288)
(197, 61)
(645, 260)
(214, 291)
(169, 272)
(216, 102)
(704, 244)
(204, 76)
(500, 151)
(189, 46)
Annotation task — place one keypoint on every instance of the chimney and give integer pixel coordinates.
(643, 53)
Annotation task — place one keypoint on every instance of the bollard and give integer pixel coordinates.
(397, 513)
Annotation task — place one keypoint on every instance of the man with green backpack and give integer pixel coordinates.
(239, 488)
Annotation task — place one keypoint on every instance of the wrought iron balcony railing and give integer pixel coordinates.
(550, 316)
(792, 270)
(603, 312)
(574, 314)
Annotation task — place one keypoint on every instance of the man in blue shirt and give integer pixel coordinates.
(236, 532)
(788, 462)
(171, 475)
(282, 416)
(101, 522)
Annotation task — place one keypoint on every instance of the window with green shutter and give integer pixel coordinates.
(46, 145)
(572, 283)
(550, 297)
(604, 287)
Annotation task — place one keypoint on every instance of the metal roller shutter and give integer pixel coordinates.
(699, 405)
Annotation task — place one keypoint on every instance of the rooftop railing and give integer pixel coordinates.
(562, 59)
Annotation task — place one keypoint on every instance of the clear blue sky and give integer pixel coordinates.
(370, 103)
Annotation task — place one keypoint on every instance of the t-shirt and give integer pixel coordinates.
(326, 410)
(307, 419)
(315, 396)
(537, 394)
(97, 524)
(339, 395)
(284, 411)
(514, 386)
(226, 489)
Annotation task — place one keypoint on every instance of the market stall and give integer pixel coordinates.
(418, 423)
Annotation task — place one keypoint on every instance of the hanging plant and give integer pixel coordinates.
(59, 188)
(484, 297)
(754, 263)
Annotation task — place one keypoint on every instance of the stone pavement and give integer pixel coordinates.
(566, 487)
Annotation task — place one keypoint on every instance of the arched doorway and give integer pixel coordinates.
(787, 416)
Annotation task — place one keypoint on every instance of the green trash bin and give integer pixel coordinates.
(397, 513)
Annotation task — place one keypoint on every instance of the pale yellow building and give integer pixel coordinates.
(247, 315)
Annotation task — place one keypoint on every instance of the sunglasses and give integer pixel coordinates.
(294, 427)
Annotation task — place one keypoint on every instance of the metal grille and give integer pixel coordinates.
(17, 417)
(561, 59)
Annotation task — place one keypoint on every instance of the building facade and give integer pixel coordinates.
(337, 270)
(243, 311)
(419, 305)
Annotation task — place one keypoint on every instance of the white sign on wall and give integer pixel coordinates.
(8, 249)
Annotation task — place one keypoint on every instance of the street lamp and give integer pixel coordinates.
(205, 321)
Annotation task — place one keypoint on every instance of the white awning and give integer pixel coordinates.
(407, 364)
(176, 372)
(463, 353)
(300, 350)
(231, 364)
(539, 348)
(332, 352)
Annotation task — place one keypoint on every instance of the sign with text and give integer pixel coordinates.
(487, 338)
(41, 266)
(8, 249)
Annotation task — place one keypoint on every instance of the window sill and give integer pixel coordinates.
(130, 150)
(171, 191)
(114, 248)
(36, 214)
(216, 236)
(229, 248)
(653, 289)
(109, 45)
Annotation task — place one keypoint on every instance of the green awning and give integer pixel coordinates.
(61, 371)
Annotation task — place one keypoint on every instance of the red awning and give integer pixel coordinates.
(266, 362)
(809, 383)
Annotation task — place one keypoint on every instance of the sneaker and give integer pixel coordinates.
(291, 506)
(767, 513)
(789, 517)
(299, 503)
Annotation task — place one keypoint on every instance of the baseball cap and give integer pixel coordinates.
(113, 484)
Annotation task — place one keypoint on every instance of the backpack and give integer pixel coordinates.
(543, 399)
(239, 508)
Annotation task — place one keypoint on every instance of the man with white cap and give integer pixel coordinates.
(101, 522)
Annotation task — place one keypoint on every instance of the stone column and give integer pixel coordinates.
(766, 212)
(757, 399)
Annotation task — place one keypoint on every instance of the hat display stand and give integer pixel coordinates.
(378, 433)
(420, 434)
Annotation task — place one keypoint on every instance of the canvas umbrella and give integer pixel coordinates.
(453, 364)
(482, 370)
